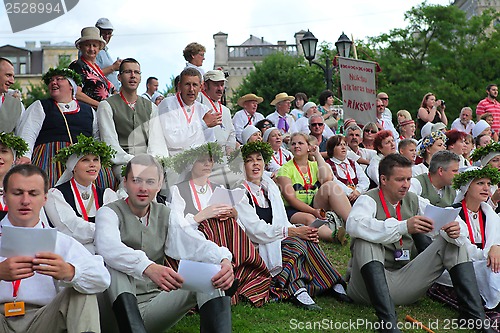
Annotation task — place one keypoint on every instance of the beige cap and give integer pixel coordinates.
(215, 75)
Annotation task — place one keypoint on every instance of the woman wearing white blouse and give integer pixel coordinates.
(217, 222)
(71, 206)
(348, 173)
(479, 230)
(281, 155)
(299, 267)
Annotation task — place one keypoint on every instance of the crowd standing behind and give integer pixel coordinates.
(127, 180)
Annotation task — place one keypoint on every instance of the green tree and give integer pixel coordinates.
(280, 73)
(439, 51)
(170, 87)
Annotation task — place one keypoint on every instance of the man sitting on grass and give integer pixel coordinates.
(134, 235)
(51, 291)
(386, 268)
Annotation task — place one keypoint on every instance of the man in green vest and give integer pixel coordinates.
(434, 187)
(125, 119)
(134, 236)
(11, 107)
(386, 268)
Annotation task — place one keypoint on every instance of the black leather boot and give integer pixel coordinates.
(469, 300)
(376, 285)
(421, 242)
(215, 316)
(127, 314)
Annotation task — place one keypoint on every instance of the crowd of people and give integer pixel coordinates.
(128, 180)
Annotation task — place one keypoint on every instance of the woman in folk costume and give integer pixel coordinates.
(281, 155)
(489, 155)
(479, 231)
(299, 267)
(72, 204)
(348, 173)
(54, 123)
(218, 222)
(10, 146)
(429, 145)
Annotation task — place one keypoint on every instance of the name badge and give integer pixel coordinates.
(14, 309)
(401, 255)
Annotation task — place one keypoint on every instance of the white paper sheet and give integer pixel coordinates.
(198, 275)
(441, 216)
(227, 197)
(18, 241)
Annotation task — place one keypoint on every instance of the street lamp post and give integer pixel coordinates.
(309, 43)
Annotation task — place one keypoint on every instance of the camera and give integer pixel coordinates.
(442, 102)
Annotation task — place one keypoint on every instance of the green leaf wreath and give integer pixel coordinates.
(182, 160)
(87, 145)
(481, 152)
(14, 142)
(485, 172)
(66, 72)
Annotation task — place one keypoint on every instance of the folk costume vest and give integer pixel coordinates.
(409, 208)
(343, 180)
(10, 111)
(132, 125)
(54, 127)
(185, 191)
(429, 192)
(148, 238)
(67, 192)
(462, 216)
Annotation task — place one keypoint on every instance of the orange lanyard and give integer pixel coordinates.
(196, 197)
(346, 170)
(213, 104)
(307, 184)
(469, 225)
(281, 158)
(250, 191)
(250, 117)
(98, 71)
(131, 105)
(387, 214)
(188, 118)
(79, 199)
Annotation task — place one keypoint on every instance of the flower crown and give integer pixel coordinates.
(87, 145)
(429, 141)
(66, 72)
(180, 161)
(485, 172)
(481, 152)
(14, 142)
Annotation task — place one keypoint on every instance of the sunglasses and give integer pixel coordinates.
(384, 98)
(370, 131)
(317, 124)
(267, 125)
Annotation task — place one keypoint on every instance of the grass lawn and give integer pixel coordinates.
(335, 317)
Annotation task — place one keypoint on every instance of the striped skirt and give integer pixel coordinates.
(305, 265)
(43, 156)
(249, 268)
